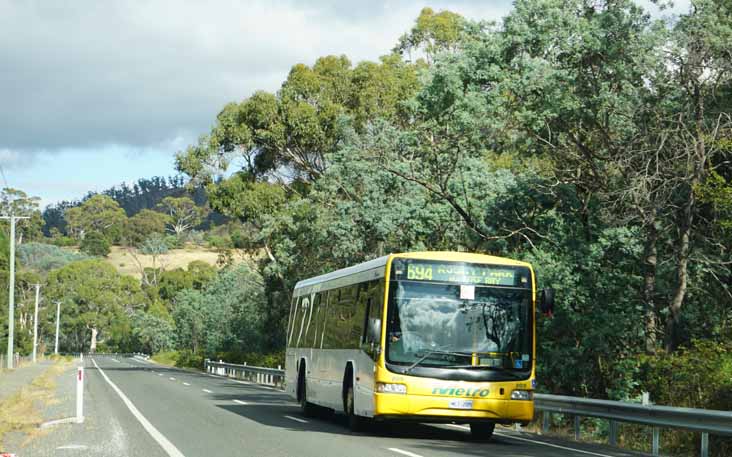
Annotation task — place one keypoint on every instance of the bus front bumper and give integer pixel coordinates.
(426, 408)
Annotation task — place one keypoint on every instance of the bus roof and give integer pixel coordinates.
(432, 255)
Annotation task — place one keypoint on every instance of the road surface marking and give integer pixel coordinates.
(167, 446)
(502, 435)
(172, 379)
(297, 419)
(465, 427)
(160, 374)
(461, 427)
(72, 446)
(399, 451)
(115, 361)
(186, 384)
(207, 391)
(241, 382)
(215, 376)
(240, 402)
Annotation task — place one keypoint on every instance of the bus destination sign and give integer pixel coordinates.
(464, 274)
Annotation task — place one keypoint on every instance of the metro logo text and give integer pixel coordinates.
(460, 392)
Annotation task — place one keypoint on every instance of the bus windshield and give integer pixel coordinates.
(446, 325)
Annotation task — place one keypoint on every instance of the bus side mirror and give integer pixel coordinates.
(547, 302)
(374, 331)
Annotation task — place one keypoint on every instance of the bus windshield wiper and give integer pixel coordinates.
(433, 352)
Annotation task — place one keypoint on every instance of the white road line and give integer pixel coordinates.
(167, 446)
(76, 447)
(241, 382)
(461, 427)
(207, 391)
(241, 402)
(400, 451)
(297, 419)
(186, 384)
(502, 435)
(172, 379)
(115, 361)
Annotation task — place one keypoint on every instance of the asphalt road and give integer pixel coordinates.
(158, 411)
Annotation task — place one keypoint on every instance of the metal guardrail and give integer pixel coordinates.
(274, 377)
(699, 420)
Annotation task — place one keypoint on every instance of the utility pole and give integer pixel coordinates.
(35, 323)
(11, 287)
(58, 316)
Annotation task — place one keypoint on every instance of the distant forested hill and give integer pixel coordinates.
(133, 198)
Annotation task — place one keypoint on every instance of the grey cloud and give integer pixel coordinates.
(86, 73)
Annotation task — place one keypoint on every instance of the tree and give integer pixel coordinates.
(93, 296)
(95, 244)
(154, 246)
(99, 213)
(432, 33)
(152, 333)
(227, 315)
(18, 203)
(286, 136)
(143, 224)
(183, 213)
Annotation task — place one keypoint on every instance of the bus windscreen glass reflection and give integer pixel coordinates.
(447, 325)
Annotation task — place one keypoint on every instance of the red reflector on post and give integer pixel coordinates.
(79, 371)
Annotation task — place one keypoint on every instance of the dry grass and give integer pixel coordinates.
(23, 411)
(121, 259)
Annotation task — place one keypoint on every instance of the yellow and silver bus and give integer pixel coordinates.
(443, 337)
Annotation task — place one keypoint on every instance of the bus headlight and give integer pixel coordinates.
(521, 395)
(386, 388)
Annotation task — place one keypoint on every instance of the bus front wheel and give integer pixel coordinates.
(482, 431)
(355, 423)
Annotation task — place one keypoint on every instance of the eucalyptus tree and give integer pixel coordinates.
(99, 213)
(95, 298)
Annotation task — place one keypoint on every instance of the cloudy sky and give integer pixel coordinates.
(96, 93)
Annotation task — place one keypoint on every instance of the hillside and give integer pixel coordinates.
(121, 259)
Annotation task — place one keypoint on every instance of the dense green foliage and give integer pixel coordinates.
(584, 137)
(95, 244)
(45, 257)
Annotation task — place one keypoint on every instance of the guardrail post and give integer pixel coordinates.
(613, 433)
(705, 445)
(577, 430)
(545, 419)
(656, 440)
(80, 395)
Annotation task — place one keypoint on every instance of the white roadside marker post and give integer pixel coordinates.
(80, 395)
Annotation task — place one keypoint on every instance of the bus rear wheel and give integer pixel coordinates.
(482, 431)
(307, 408)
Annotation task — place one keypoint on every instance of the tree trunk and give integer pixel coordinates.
(650, 260)
(93, 345)
(698, 155)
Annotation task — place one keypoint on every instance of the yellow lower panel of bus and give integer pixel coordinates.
(447, 407)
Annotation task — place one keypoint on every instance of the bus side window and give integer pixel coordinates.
(315, 322)
(293, 316)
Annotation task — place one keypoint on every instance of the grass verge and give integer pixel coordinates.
(23, 411)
